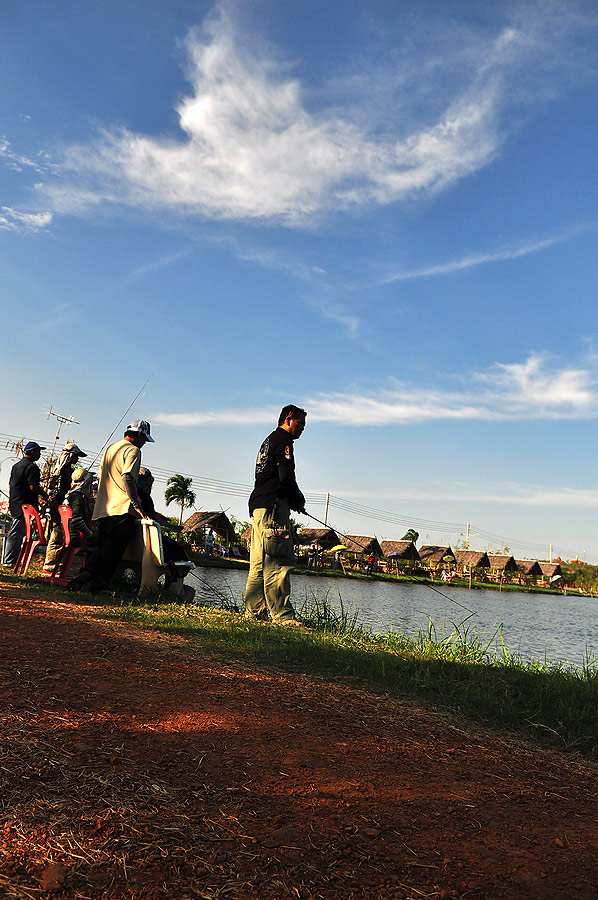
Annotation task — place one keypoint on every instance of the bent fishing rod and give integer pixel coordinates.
(415, 580)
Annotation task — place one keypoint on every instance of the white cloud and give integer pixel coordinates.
(479, 259)
(19, 163)
(156, 265)
(530, 390)
(511, 494)
(14, 220)
(255, 148)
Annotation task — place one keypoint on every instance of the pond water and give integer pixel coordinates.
(539, 627)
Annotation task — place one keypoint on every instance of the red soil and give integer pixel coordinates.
(137, 765)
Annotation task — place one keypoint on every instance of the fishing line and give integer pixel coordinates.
(119, 421)
(415, 581)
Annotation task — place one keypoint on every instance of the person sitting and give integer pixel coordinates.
(79, 500)
(58, 486)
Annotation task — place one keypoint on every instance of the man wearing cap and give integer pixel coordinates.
(117, 507)
(59, 484)
(24, 487)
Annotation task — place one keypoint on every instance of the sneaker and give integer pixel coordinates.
(79, 581)
(293, 623)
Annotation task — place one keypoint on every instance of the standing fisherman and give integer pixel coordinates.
(117, 508)
(24, 487)
(275, 494)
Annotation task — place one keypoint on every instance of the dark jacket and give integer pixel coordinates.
(275, 474)
(23, 474)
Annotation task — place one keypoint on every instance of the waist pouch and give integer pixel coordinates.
(278, 541)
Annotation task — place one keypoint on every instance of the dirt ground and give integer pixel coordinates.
(136, 765)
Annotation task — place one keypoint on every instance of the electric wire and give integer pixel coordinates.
(414, 581)
(203, 484)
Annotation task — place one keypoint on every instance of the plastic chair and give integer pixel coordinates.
(32, 520)
(69, 550)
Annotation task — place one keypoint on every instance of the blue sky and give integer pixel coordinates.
(386, 214)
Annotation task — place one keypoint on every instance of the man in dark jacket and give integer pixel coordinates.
(24, 487)
(274, 495)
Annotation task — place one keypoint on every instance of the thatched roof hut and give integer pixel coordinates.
(433, 554)
(501, 563)
(400, 549)
(529, 567)
(550, 570)
(472, 559)
(246, 536)
(324, 538)
(217, 521)
(362, 543)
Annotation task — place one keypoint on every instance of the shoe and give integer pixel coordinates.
(293, 623)
(47, 573)
(79, 581)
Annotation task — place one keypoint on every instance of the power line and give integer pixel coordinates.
(209, 485)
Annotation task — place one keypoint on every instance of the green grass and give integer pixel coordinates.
(550, 704)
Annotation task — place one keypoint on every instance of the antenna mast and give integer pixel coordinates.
(62, 420)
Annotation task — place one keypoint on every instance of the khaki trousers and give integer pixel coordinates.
(269, 580)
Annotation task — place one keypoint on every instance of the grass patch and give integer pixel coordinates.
(551, 704)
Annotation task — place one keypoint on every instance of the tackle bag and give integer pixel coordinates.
(278, 541)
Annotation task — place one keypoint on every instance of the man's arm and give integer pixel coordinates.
(35, 487)
(131, 489)
(288, 482)
(132, 461)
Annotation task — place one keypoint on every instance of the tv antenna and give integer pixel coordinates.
(62, 420)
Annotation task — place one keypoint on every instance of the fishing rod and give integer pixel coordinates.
(126, 412)
(415, 581)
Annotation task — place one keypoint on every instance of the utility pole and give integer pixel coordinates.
(326, 511)
(467, 537)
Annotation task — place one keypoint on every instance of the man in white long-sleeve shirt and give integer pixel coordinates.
(117, 507)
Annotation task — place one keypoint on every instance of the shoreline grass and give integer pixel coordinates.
(547, 703)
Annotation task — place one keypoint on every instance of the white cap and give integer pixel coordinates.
(72, 447)
(142, 427)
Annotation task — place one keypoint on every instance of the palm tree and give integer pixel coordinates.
(178, 488)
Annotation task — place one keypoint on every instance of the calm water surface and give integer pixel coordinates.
(541, 627)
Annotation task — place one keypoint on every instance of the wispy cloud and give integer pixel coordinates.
(501, 255)
(510, 494)
(534, 389)
(162, 263)
(256, 145)
(23, 222)
(42, 164)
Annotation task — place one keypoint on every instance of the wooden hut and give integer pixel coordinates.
(468, 560)
(399, 554)
(529, 569)
(550, 571)
(362, 543)
(323, 538)
(436, 557)
(501, 566)
(401, 549)
(217, 521)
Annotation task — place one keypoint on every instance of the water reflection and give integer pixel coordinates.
(539, 627)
